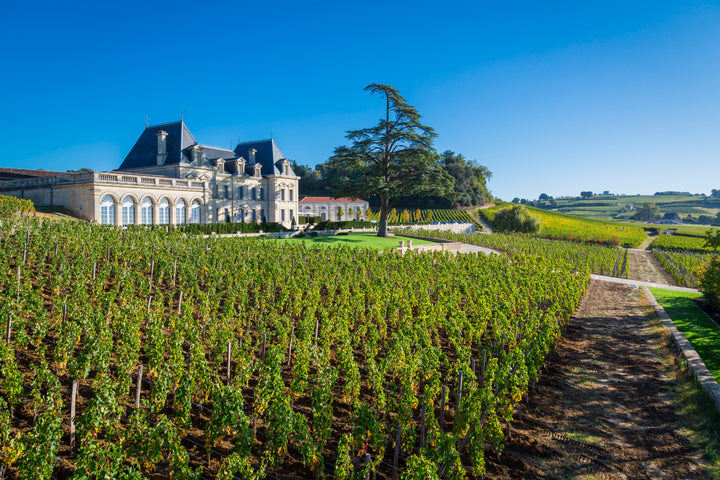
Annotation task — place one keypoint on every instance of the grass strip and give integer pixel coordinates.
(360, 241)
(700, 330)
(700, 420)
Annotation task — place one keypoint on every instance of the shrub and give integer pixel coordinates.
(709, 283)
(516, 219)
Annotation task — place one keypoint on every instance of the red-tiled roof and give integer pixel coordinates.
(331, 200)
(19, 173)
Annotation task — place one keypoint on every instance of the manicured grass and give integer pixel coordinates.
(701, 331)
(364, 241)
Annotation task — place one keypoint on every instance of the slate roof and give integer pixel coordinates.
(20, 173)
(179, 144)
(268, 155)
(144, 152)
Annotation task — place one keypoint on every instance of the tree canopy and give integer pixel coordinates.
(647, 211)
(391, 160)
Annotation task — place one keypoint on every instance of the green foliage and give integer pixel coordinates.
(228, 228)
(427, 216)
(391, 160)
(516, 219)
(420, 468)
(709, 274)
(647, 211)
(419, 318)
(681, 243)
(558, 226)
(599, 259)
(470, 186)
(683, 266)
(709, 283)
(712, 240)
(13, 206)
(328, 225)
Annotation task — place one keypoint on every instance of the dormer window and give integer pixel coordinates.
(258, 167)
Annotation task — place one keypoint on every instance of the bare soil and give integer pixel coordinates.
(604, 407)
(645, 267)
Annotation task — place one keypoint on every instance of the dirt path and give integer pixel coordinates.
(645, 267)
(604, 407)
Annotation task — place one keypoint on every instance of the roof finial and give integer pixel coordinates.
(271, 134)
(146, 121)
(182, 115)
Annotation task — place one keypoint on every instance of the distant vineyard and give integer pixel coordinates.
(682, 266)
(599, 259)
(425, 216)
(691, 231)
(680, 243)
(557, 226)
(152, 354)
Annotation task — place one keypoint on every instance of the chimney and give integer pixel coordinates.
(252, 152)
(161, 147)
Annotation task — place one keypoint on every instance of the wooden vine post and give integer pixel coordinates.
(292, 334)
(229, 350)
(138, 385)
(442, 409)
(180, 304)
(396, 455)
(73, 400)
(422, 424)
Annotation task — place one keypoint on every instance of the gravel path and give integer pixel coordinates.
(604, 407)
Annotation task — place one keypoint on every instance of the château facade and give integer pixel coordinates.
(170, 178)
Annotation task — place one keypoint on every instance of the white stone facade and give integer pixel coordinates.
(334, 209)
(170, 179)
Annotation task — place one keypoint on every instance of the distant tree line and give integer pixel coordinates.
(470, 183)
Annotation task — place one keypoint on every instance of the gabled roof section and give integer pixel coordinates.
(21, 173)
(268, 155)
(144, 152)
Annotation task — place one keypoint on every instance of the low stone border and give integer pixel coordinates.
(697, 366)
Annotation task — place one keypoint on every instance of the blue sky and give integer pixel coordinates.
(553, 97)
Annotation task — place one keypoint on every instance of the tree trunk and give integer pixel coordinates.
(383, 223)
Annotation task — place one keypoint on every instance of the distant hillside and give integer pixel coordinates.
(560, 226)
(618, 206)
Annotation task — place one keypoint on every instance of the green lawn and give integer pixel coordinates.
(365, 241)
(701, 331)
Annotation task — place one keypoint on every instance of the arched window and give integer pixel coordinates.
(146, 211)
(164, 211)
(128, 210)
(195, 212)
(180, 208)
(107, 210)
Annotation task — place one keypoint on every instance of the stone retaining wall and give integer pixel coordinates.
(697, 366)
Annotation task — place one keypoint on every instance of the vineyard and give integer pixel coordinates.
(599, 259)
(425, 216)
(680, 243)
(151, 354)
(682, 266)
(557, 226)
